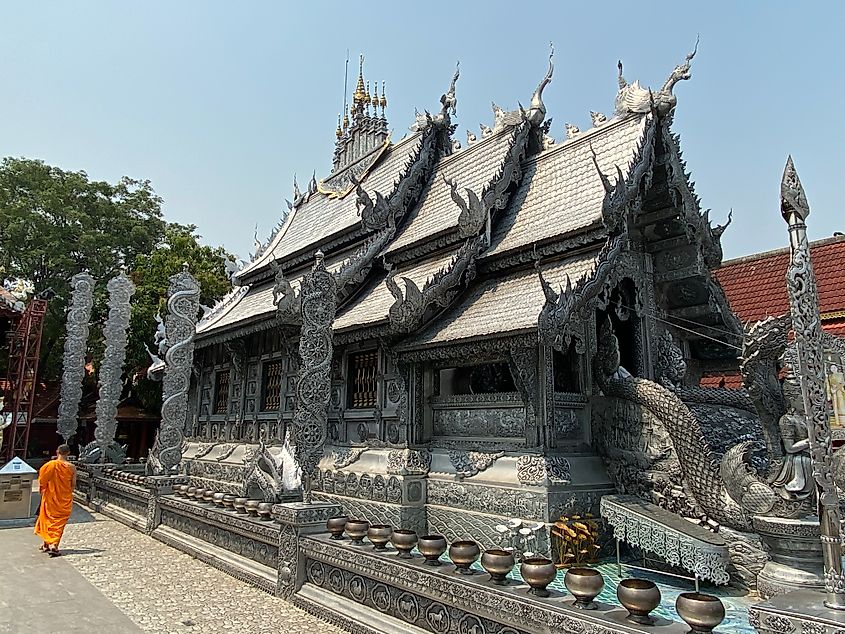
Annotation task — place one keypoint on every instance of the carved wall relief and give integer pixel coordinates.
(480, 415)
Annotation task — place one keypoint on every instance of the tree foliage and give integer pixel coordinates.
(151, 275)
(56, 223)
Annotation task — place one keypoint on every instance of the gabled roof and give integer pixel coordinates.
(322, 216)
(247, 304)
(561, 192)
(756, 284)
(471, 168)
(502, 305)
(372, 306)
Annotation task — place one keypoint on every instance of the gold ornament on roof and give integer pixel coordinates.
(338, 132)
(360, 94)
(383, 98)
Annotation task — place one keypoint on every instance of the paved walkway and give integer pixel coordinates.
(115, 579)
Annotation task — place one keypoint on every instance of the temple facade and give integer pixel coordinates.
(473, 283)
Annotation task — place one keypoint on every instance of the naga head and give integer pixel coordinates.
(537, 112)
(681, 72)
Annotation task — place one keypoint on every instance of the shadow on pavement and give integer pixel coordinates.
(81, 551)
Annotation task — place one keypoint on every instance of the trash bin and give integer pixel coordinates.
(16, 490)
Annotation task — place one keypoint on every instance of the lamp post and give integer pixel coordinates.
(806, 322)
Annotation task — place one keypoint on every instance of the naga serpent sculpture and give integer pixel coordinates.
(729, 490)
(180, 326)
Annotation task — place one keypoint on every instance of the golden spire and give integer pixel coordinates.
(346, 119)
(383, 101)
(375, 97)
(338, 133)
(367, 98)
(359, 95)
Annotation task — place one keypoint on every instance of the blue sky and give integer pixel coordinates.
(219, 103)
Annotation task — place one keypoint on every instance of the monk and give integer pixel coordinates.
(56, 480)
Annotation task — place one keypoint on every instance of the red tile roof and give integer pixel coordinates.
(728, 380)
(756, 286)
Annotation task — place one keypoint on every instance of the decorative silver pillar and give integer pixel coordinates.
(183, 303)
(73, 364)
(120, 290)
(313, 389)
(806, 321)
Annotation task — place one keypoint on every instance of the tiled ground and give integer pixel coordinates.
(163, 590)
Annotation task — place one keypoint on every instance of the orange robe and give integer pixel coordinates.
(55, 481)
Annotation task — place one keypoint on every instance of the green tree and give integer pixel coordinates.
(151, 275)
(55, 223)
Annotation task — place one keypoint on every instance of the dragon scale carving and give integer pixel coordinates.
(120, 290)
(762, 348)
(180, 328)
(73, 371)
(728, 490)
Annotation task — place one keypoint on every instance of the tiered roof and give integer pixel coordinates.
(462, 238)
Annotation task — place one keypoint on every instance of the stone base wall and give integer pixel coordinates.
(292, 556)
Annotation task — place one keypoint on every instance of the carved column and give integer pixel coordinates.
(120, 290)
(236, 349)
(76, 340)
(313, 389)
(806, 322)
(180, 329)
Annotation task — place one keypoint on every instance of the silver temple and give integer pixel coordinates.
(455, 338)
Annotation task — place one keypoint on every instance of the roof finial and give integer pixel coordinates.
(360, 93)
(449, 101)
(367, 97)
(383, 100)
(339, 131)
(793, 201)
(537, 112)
(375, 97)
(621, 79)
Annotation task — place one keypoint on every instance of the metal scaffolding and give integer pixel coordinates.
(24, 351)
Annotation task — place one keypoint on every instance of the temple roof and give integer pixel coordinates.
(321, 216)
(247, 304)
(422, 200)
(561, 192)
(756, 284)
(372, 306)
(471, 168)
(502, 305)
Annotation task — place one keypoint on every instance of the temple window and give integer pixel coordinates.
(487, 378)
(221, 392)
(272, 388)
(363, 376)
